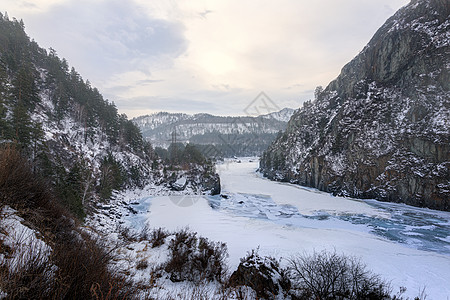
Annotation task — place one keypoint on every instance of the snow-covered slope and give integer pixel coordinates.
(407, 245)
(67, 140)
(283, 115)
(381, 129)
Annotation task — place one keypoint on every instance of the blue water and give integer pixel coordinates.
(423, 229)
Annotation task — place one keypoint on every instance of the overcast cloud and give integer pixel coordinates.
(204, 56)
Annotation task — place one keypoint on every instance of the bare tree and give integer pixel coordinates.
(328, 275)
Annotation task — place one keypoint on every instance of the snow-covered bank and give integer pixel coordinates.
(284, 219)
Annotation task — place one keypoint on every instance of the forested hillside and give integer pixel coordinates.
(72, 136)
(216, 136)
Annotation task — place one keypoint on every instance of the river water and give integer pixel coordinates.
(408, 245)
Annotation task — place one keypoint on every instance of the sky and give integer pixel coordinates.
(198, 56)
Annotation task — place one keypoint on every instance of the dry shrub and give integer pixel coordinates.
(19, 187)
(142, 265)
(144, 233)
(127, 234)
(195, 259)
(158, 237)
(77, 267)
(328, 275)
(28, 275)
(83, 270)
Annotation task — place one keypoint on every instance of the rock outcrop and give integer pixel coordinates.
(263, 275)
(381, 129)
(197, 180)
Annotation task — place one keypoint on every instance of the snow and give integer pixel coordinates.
(24, 241)
(283, 115)
(241, 178)
(407, 245)
(180, 183)
(284, 219)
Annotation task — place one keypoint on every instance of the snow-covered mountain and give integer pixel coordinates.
(283, 115)
(245, 135)
(72, 136)
(381, 129)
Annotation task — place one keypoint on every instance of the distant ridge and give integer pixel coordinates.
(243, 135)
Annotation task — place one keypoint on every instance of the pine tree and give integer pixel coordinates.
(24, 88)
(4, 97)
(21, 125)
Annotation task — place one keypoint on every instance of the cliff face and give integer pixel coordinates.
(381, 129)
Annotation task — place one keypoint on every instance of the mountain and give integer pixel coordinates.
(72, 136)
(229, 135)
(283, 115)
(381, 129)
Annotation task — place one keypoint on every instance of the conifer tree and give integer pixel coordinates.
(4, 96)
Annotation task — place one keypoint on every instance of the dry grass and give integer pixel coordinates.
(77, 267)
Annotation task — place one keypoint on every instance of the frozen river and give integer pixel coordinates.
(407, 245)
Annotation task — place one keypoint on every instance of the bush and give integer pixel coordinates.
(195, 259)
(142, 265)
(19, 187)
(83, 269)
(158, 237)
(328, 275)
(128, 235)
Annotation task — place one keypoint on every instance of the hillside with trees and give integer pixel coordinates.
(70, 134)
(215, 136)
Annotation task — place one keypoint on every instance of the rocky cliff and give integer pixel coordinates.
(381, 129)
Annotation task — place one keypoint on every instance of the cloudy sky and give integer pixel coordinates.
(203, 56)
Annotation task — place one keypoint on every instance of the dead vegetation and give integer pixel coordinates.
(77, 265)
(195, 258)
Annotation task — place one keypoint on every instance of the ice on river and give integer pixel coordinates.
(410, 246)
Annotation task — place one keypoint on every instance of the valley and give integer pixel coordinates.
(205, 193)
(407, 245)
